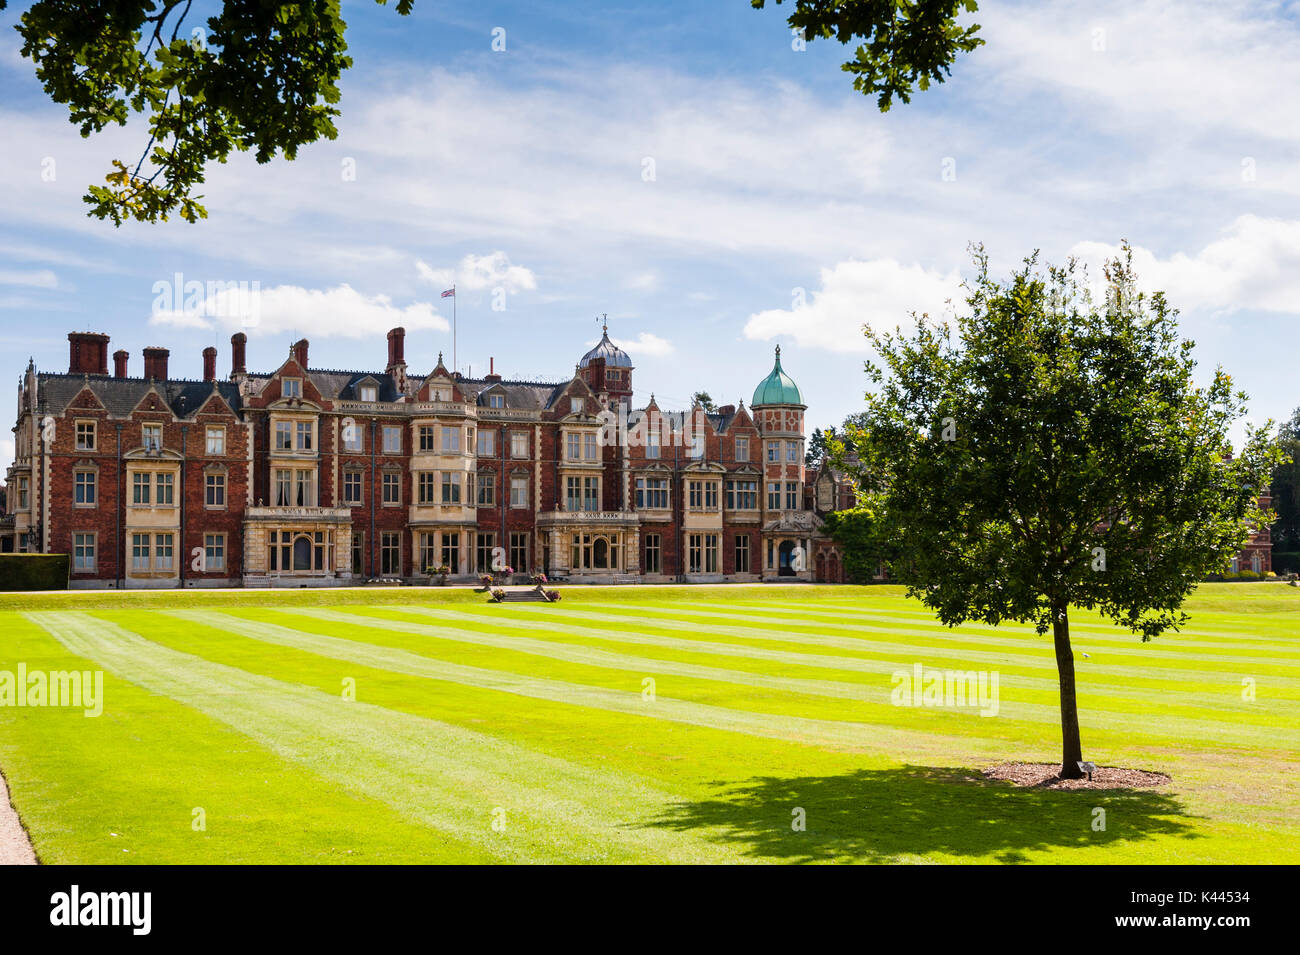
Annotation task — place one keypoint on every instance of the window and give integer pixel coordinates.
(487, 489)
(284, 436)
(283, 487)
(496, 401)
(151, 437)
(392, 439)
(742, 553)
(651, 493)
(162, 551)
(742, 495)
(216, 440)
(164, 488)
(573, 446)
(652, 443)
(702, 553)
(306, 429)
(703, 495)
(85, 436)
(140, 488)
(426, 437)
(451, 487)
(774, 450)
(696, 489)
(697, 443)
(390, 554)
(451, 550)
(450, 440)
(575, 406)
(84, 489)
(519, 551)
(519, 444)
(139, 551)
(426, 487)
(792, 495)
(214, 552)
(519, 491)
(653, 563)
(293, 551)
(582, 494)
(291, 388)
(358, 553)
(83, 553)
(742, 449)
(792, 450)
(304, 488)
(486, 443)
(369, 393)
(426, 552)
(595, 552)
(391, 488)
(23, 493)
(581, 447)
(351, 435)
(352, 487)
(214, 490)
(483, 547)
(774, 496)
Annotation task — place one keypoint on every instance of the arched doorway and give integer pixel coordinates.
(785, 559)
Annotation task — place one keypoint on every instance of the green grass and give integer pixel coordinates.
(524, 733)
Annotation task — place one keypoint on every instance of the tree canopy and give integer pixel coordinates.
(254, 76)
(1052, 451)
(906, 44)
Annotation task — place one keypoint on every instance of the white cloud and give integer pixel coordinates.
(643, 281)
(39, 278)
(337, 312)
(478, 272)
(645, 343)
(881, 293)
(1255, 265)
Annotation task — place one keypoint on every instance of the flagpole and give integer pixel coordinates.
(454, 365)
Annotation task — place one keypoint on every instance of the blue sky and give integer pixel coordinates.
(783, 207)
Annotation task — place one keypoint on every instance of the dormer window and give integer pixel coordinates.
(496, 401)
(369, 393)
(575, 406)
(292, 388)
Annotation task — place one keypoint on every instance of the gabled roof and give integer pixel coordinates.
(120, 396)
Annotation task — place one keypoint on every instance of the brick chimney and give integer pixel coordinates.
(396, 349)
(492, 370)
(209, 364)
(119, 362)
(299, 351)
(87, 353)
(238, 343)
(727, 410)
(155, 363)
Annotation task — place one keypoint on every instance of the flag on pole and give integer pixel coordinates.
(450, 293)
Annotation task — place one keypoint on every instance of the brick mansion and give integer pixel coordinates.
(304, 476)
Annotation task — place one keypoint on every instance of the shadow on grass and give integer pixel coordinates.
(880, 815)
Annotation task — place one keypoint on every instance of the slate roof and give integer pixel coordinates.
(120, 395)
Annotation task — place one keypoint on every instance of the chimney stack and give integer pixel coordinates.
(492, 370)
(396, 348)
(209, 364)
(238, 341)
(155, 363)
(119, 362)
(300, 352)
(87, 353)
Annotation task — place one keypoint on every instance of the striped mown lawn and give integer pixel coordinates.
(637, 724)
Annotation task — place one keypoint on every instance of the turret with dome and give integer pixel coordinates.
(777, 388)
(607, 368)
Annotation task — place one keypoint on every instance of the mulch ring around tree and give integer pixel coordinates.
(1048, 776)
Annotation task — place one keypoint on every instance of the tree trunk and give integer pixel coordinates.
(1071, 747)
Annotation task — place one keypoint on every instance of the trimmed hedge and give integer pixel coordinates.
(34, 571)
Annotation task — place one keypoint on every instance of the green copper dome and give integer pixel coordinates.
(777, 388)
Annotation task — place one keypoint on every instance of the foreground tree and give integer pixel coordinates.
(1286, 491)
(906, 44)
(1053, 452)
(254, 75)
